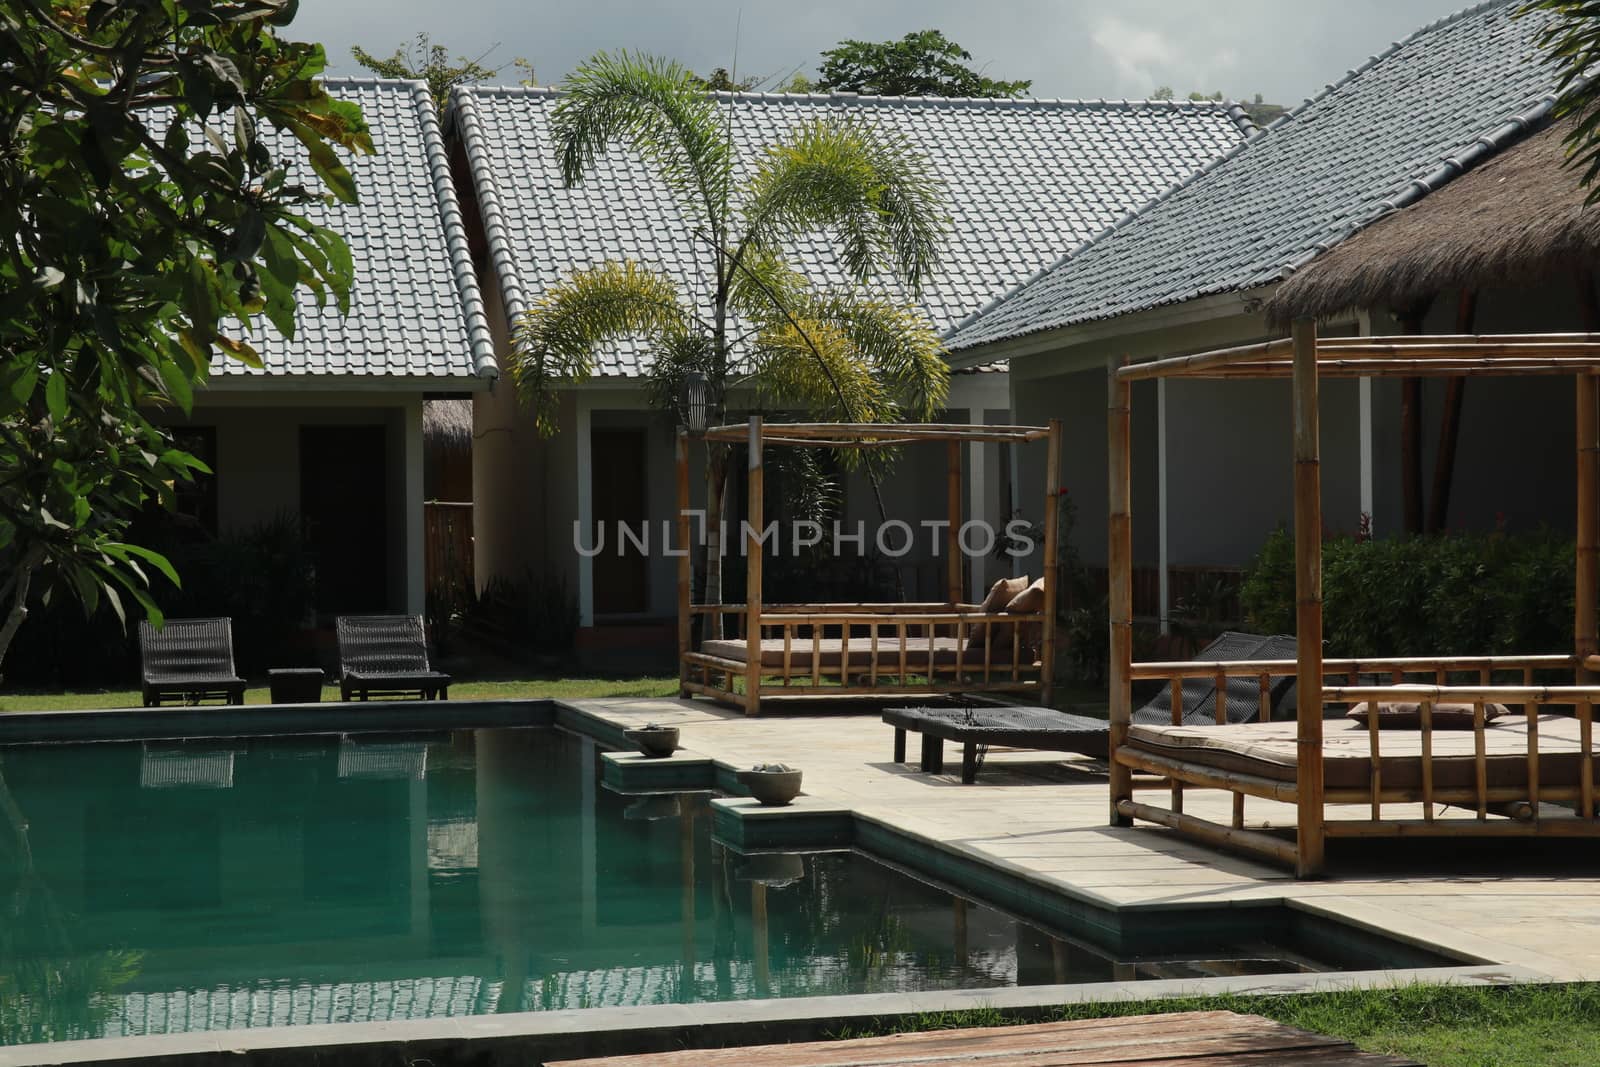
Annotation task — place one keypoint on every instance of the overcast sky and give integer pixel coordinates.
(1283, 49)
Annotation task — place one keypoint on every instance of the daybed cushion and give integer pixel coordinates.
(1029, 602)
(1407, 715)
(830, 648)
(1268, 751)
(1001, 593)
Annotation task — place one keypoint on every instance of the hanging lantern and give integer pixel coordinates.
(695, 401)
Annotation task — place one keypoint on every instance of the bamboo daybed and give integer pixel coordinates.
(1529, 774)
(856, 650)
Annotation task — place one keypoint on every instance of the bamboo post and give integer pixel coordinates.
(1119, 561)
(685, 571)
(1052, 534)
(954, 582)
(1308, 602)
(1585, 640)
(754, 548)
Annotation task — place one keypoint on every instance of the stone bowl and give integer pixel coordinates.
(654, 741)
(772, 788)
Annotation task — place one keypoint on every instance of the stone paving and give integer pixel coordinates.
(1504, 903)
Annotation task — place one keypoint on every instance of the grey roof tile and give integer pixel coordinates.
(1026, 181)
(415, 306)
(1402, 124)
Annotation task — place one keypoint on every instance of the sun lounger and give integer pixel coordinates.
(386, 655)
(190, 660)
(1242, 698)
(1013, 727)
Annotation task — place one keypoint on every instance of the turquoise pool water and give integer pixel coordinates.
(161, 887)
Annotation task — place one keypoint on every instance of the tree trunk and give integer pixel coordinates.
(16, 588)
(1411, 430)
(1444, 464)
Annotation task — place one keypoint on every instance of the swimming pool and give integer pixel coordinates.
(175, 886)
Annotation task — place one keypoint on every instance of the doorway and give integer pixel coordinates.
(344, 510)
(620, 497)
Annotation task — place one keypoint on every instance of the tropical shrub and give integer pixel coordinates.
(1448, 594)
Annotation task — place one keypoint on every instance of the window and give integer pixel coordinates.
(195, 502)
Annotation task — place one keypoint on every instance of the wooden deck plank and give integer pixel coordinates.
(1202, 1039)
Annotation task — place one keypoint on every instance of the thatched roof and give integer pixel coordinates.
(447, 426)
(1513, 220)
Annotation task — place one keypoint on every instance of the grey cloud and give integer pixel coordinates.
(1284, 50)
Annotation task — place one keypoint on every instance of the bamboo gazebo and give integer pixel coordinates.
(753, 650)
(1528, 774)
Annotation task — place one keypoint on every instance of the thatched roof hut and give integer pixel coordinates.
(447, 427)
(1516, 219)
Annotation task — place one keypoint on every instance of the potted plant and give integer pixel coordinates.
(773, 784)
(653, 739)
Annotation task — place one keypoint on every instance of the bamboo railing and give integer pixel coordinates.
(1520, 808)
(883, 649)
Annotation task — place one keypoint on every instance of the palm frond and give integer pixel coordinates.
(892, 344)
(1571, 42)
(653, 106)
(554, 341)
(870, 190)
(764, 280)
(900, 344)
(850, 358)
(811, 365)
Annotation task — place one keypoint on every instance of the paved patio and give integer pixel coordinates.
(1047, 814)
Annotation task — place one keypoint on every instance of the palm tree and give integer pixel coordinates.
(846, 352)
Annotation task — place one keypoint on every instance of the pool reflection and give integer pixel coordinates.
(279, 881)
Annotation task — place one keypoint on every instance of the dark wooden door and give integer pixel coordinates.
(617, 472)
(344, 505)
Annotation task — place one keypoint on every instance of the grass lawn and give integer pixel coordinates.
(1083, 699)
(1442, 1026)
(513, 689)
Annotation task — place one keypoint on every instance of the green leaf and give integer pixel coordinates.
(225, 70)
(22, 386)
(155, 559)
(116, 602)
(240, 350)
(334, 173)
(55, 395)
(177, 384)
(201, 297)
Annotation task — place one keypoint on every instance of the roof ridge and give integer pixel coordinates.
(479, 337)
(359, 81)
(1253, 138)
(464, 115)
(874, 100)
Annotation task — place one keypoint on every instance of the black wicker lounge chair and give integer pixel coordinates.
(386, 655)
(190, 660)
(1243, 696)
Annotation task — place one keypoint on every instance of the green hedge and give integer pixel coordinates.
(1456, 594)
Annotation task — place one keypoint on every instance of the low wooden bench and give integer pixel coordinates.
(1015, 726)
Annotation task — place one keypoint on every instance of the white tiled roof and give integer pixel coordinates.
(1026, 180)
(415, 307)
(1402, 125)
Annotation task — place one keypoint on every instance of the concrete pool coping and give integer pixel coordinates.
(617, 1030)
(531, 1037)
